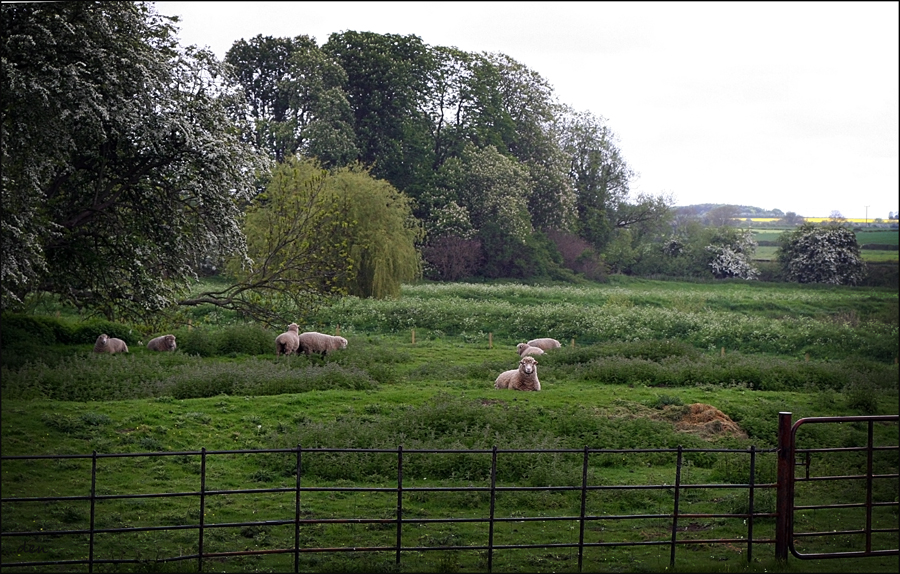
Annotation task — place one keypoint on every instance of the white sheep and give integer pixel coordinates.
(526, 349)
(525, 378)
(107, 344)
(162, 343)
(288, 342)
(545, 344)
(315, 342)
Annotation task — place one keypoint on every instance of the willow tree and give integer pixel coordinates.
(382, 232)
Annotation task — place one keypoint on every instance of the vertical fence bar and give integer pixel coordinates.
(202, 508)
(784, 490)
(584, 473)
(751, 503)
(493, 507)
(297, 515)
(93, 505)
(675, 508)
(399, 499)
(869, 485)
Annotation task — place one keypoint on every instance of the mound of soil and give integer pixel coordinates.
(701, 419)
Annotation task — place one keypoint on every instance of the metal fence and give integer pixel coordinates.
(784, 537)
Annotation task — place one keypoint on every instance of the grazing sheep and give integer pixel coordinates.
(162, 343)
(526, 349)
(524, 378)
(107, 344)
(314, 342)
(545, 344)
(288, 342)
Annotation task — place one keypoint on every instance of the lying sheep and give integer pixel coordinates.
(315, 342)
(107, 344)
(545, 344)
(162, 343)
(288, 342)
(524, 378)
(526, 349)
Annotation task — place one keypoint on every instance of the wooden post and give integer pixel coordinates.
(723, 352)
(573, 342)
(807, 357)
(490, 340)
(414, 336)
(337, 331)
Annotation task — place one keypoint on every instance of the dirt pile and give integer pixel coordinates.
(704, 420)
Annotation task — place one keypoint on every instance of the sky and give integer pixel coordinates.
(790, 106)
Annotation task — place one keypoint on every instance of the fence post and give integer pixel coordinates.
(202, 508)
(399, 498)
(93, 502)
(751, 503)
(297, 514)
(493, 507)
(584, 473)
(784, 488)
(675, 508)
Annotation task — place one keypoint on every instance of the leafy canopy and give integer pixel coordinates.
(121, 169)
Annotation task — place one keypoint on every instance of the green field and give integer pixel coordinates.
(418, 372)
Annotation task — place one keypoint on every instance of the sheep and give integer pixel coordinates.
(545, 344)
(162, 343)
(107, 344)
(524, 378)
(289, 341)
(526, 349)
(315, 342)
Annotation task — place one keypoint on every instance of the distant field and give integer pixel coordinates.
(767, 253)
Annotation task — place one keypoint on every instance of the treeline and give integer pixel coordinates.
(505, 180)
(132, 164)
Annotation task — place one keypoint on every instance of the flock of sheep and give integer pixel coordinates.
(292, 341)
(525, 378)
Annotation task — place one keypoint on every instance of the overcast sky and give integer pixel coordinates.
(776, 105)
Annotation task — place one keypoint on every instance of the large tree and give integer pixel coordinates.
(121, 167)
(600, 175)
(296, 97)
(386, 79)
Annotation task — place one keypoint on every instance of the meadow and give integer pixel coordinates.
(418, 372)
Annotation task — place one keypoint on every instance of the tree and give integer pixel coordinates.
(121, 167)
(382, 232)
(791, 218)
(386, 78)
(296, 96)
(298, 249)
(599, 174)
(732, 252)
(821, 254)
(492, 188)
(722, 215)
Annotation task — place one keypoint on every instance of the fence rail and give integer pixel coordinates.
(784, 487)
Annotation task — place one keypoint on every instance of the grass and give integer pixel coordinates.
(810, 350)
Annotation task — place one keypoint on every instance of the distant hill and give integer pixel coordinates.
(700, 209)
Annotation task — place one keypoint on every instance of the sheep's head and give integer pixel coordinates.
(102, 339)
(528, 365)
(170, 342)
(521, 347)
(342, 342)
(294, 327)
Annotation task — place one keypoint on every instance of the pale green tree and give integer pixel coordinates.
(382, 232)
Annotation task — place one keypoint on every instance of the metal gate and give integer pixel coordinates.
(787, 534)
